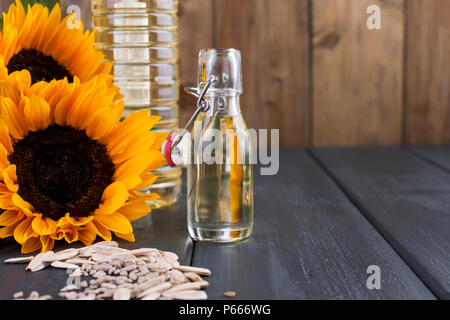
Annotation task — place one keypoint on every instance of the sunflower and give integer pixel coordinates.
(45, 46)
(69, 169)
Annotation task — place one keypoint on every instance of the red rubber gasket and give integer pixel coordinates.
(167, 148)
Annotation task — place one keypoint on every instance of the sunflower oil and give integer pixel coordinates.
(220, 173)
(220, 192)
(141, 38)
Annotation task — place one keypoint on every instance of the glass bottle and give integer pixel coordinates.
(217, 153)
(141, 38)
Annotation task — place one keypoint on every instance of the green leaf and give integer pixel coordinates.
(48, 3)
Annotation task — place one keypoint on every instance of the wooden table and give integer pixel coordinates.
(319, 224)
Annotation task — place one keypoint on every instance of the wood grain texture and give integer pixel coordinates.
(196, 32)
(85, 10)
(428, 72)
(4, 4)
(438, 155)
(407, 199)
(273, 37)
(309, 242)
(358, 73)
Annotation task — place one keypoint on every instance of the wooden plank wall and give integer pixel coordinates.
(314, 70)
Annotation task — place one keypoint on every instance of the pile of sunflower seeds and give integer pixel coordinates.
(120, 274)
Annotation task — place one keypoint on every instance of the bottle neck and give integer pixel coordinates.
(224, 105)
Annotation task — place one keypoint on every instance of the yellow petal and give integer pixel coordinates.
(97, 228)
(47, 243)
(87, 236)
(103, 123)
(36, 113)
(114, 197)
(71, 235)
(26, 207)
(135, 210)
(8, 231)
(10, 217)
(5, 139)
(115, 222)
(43, 225)
(11, 116)
(128, 237)
(6, 197)
(78, 221)
(10, 178)
(4, 161)
(24, 231)
(31, 245)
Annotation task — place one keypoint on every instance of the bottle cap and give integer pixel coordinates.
(225, 67)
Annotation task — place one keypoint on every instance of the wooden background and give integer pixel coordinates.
(314, 70)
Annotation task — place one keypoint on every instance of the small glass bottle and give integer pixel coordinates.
(219, 166)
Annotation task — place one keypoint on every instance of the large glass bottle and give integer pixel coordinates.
(141, 38)
(220, 177)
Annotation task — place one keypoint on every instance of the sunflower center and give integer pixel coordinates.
(40, 66)
(60, 169)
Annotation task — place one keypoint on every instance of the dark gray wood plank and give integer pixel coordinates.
(407, 199)
(164, 229)
(439, 155)
(309, 242)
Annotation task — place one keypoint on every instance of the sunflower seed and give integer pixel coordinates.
(122, 294)
(108, 285)
(230, 294)
(106, 244)
(144, 252)
(184, 287)
(152, 296)
(62, 255)
(19, 260)
(63, 265)
(200, 271)
(79, 261)
(159, 288)
(170, 255)
(187, 295)
(177, 277)
(38, 262)
(193, 276)
(69, 288)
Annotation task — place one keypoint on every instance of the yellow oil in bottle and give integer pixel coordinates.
(220, 192)
(140, 37)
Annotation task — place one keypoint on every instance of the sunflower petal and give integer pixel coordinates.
(22, 204)
(78, 221)
(47, 243)
(135, 210)
(114, 197)
(8, 231)
(36, 113)
(24, 231)
(5, 139)
(31, 245)
(10, 178)
(10, 217)
(87, 236)
(6, 197)
(100, 230)
(43, 225)
(71, 235)
(128, 237)
(115, 222)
